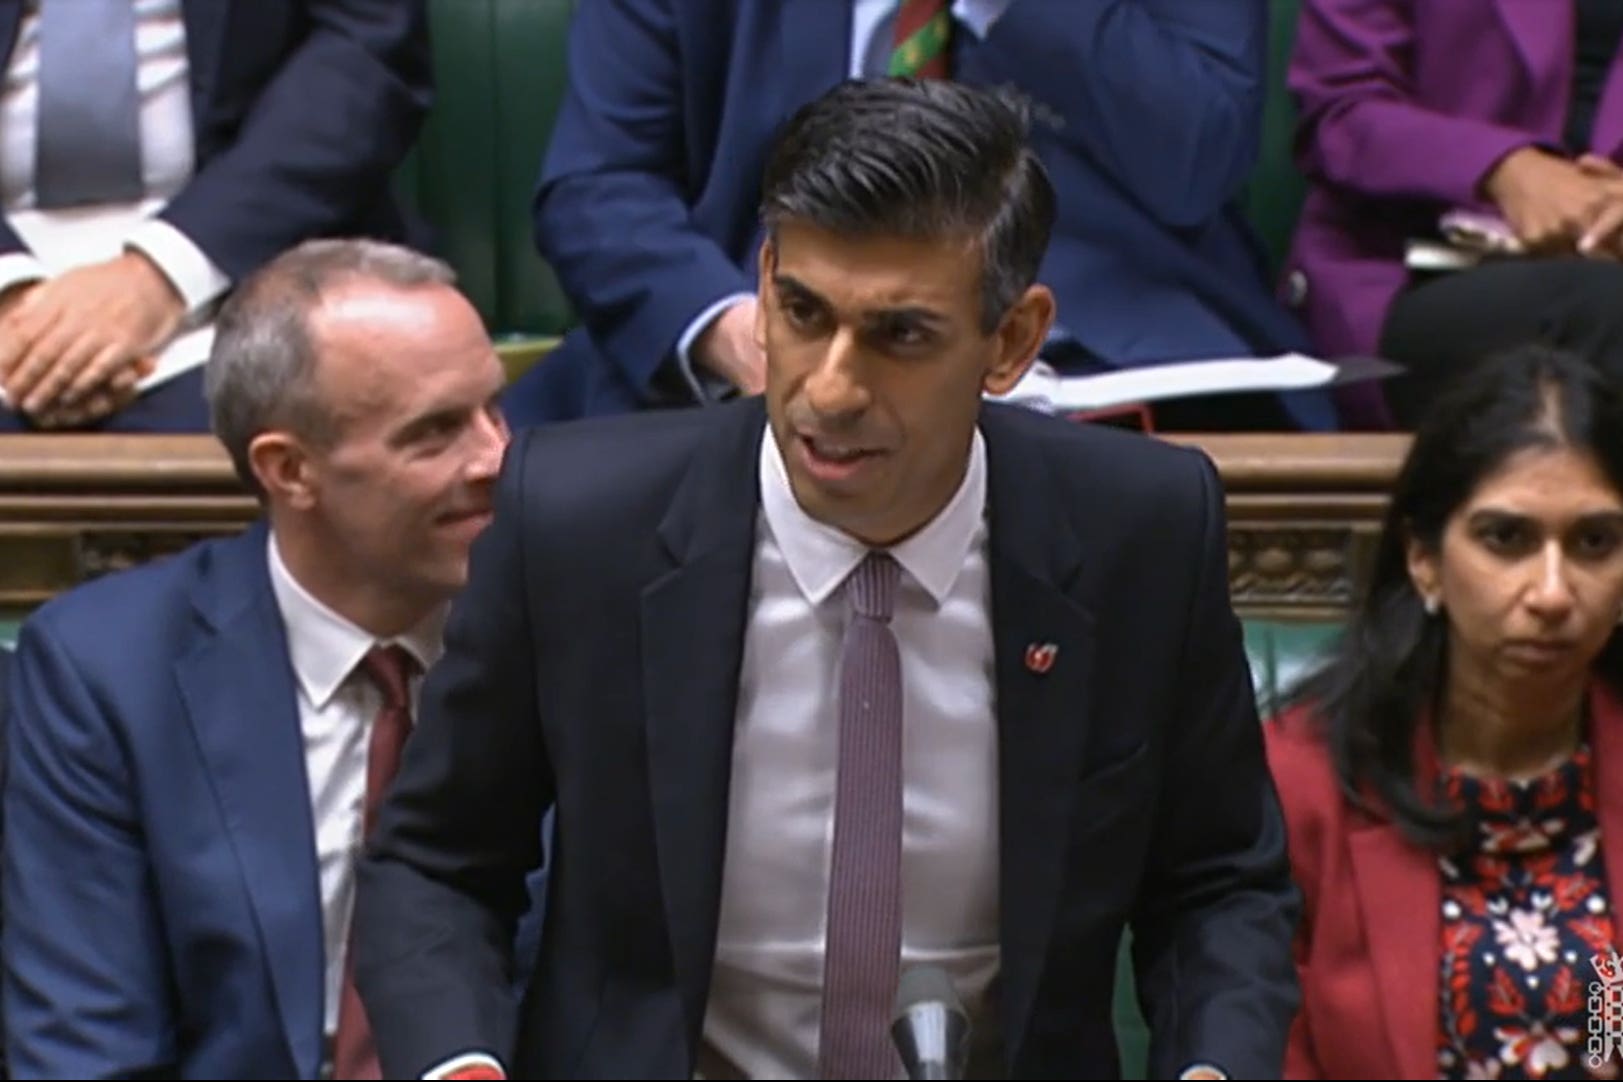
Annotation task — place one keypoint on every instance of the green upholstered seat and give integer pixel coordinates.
(1274, 194)
(500, 68)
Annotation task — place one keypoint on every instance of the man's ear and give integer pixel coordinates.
(282, 465)
(1020, 336)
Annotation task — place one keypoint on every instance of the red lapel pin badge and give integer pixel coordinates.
(1040, 656)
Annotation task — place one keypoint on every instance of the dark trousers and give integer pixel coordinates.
(175, 406)
(1444, 324)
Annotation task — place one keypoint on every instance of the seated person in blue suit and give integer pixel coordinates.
(197, 744)
(646, 205)
(155, 152)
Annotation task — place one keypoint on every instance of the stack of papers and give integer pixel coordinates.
(1043, 388)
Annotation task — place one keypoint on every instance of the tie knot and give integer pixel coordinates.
(391, 669)
(872, 586)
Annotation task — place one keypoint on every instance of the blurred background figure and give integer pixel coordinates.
(153, 153)
(1151, 112)
(1503, 117)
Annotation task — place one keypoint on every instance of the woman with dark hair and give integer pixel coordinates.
(1452, 776)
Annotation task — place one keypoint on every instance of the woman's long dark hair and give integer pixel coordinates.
(1390, 663)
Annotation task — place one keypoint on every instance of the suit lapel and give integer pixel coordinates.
(1606, 736)
(1043, 643)
(238, 690)
(1542, 34)
(206, 22)
(1607, 135)
(693, 621)
(1399, 890)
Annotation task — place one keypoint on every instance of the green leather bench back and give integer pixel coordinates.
(1273, 197)
(1281, 651)
(499, 66)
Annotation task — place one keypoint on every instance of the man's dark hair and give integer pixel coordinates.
(921, 159)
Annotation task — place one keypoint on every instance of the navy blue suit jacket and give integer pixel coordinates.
(301, 111)
(647, 206)
(592, 667)
(163, 912)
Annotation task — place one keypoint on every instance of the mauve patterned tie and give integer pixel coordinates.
(864, 940)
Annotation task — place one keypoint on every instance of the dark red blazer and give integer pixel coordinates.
(1368, 945)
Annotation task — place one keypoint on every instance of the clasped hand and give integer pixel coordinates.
(1557, 206)
(73, 347)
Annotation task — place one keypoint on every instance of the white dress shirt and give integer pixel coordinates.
(337, 705)
(765, 996)
(871, 22)
(62, 239)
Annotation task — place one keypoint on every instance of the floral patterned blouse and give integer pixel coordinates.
(1524, 910)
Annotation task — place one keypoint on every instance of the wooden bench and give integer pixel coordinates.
(1303, 510)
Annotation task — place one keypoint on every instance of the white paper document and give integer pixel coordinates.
(1043, 388)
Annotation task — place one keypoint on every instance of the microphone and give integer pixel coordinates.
(930, 1027)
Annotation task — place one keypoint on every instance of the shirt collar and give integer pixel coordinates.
(324, 647)
(821, 557)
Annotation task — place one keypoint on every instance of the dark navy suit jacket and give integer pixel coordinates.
(301, 111)
(592, 667)
(163, 909)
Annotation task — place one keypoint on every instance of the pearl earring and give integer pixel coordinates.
(1432, 606)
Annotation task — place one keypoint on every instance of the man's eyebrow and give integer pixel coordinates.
(422, 424)
(907, 313)
(904, 313)
(790, 284)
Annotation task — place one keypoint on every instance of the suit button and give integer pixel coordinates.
(1296, 288)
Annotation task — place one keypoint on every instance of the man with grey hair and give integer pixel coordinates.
(198, 743)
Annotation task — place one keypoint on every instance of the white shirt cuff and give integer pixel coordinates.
(195, 278)
(979, 15)
(19, 267)
(704, 385)
(465, 1061)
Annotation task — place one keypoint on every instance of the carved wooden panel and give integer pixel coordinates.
(1303, 510)
(1307, 570)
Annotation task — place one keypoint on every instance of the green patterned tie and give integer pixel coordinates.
(921, 38)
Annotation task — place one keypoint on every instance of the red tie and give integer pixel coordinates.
(390, 668)
(920, 40)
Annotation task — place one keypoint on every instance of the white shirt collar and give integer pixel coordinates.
(821, 557)
(325, 647)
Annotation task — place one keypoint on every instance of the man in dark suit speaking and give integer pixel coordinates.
(874, 677)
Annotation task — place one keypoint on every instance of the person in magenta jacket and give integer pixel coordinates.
(1511, 109)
